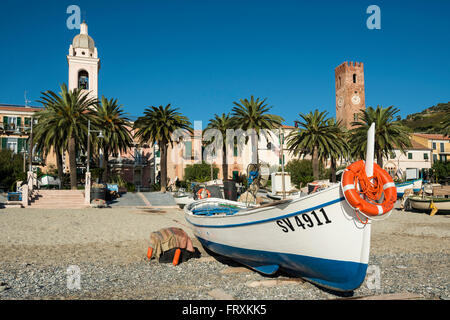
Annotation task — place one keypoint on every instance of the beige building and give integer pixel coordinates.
(191, 150)
(411, 164)
(438, 143)
(15, 127)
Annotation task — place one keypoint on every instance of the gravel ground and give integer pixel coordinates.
(409, 250)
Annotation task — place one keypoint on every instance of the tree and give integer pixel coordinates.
(446, 126)
(253, 114)
(339, 149)
(222, 123)
(157, 126)
(301, 172)
(441, 170)
(316, 136)
(390, 134)
(66, 115)
(47, 139)
(11, 165)
(200, 172)
(115, 126)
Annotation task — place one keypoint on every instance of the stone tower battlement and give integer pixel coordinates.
(350, 92)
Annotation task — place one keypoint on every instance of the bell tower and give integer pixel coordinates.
(350, 95)
(84, 63)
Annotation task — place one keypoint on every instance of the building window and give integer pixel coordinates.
(12, 144)
(354, 78)
(410, 155)
(188, 149)
(442, 147)
(83, 80)
(355, 117)
(425, 156)
(443, 157)
(340, 82)
(434, 157)
(434, 145)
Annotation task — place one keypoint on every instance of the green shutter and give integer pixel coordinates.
(19, 121)
(27, 121)
(188, 149)
(4, 143)
(19, 145)
(5, 121)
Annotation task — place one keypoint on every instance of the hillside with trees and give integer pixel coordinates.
(429, 120)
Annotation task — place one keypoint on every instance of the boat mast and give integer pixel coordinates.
(282, 164)
(370, 150)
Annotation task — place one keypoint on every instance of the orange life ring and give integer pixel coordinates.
(355, 175)
(200, 193)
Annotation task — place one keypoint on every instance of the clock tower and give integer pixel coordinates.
(350, 96)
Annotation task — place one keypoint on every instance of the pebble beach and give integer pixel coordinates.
(409, 257)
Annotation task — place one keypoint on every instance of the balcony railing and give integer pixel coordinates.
(13, 127)
(129, 161)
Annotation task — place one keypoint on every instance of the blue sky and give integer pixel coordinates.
(201, 56)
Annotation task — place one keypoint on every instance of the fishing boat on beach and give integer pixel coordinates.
(427, 203)
(416, 185)
(323, 237)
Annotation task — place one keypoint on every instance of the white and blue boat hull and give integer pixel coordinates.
(317, 237)
(416, 185)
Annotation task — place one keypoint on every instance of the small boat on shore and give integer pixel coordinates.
(323, 237)
(183, 198)
(423, 203)
(416, 185)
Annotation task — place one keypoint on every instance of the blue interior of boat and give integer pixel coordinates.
(216, 209)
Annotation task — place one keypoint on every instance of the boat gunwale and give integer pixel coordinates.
(254, 211)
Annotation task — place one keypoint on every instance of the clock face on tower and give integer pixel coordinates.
(356, 99)
(340, 102)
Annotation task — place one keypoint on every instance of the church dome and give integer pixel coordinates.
(83, 40)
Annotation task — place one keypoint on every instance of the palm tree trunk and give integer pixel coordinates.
(333, 169)
(59, 165)
(163, 147)
(224, 163)
(72, 164)
(105, 175)
(315, 163)
(380, 158)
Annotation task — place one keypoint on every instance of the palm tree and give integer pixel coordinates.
(157, 126)
(316, 136)
(390, 134)
(222, 123)
(110, 118)
(46, 138)
(252, 114)
(339, 149)
(67, 114)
